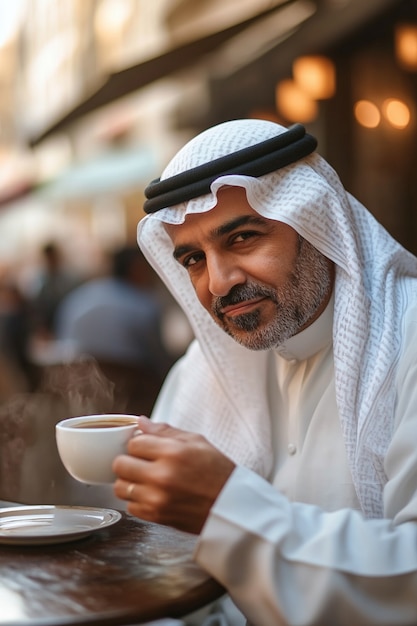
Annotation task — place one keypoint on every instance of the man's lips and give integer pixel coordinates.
(240, 308)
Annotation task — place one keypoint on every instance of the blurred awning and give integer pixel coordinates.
(8, 196)
(177, 58)
(112, 171)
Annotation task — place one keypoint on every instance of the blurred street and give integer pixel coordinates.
(97, 95)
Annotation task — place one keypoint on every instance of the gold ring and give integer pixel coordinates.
(130, 489)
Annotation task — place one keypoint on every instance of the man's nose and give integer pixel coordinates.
(223, 274)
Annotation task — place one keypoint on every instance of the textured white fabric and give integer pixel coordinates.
(307, 557)
(311, 465)
(321, 563)
(372, 290)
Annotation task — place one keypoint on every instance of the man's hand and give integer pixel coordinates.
(170, 476)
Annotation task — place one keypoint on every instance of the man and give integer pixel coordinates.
(55, 281)
(301, 384)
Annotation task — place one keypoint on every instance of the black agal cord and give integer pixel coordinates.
(256, 160)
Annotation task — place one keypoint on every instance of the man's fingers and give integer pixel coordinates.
(128, 468)
(158, 429)
(150, 447)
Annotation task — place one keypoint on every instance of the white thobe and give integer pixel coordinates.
(296, 549)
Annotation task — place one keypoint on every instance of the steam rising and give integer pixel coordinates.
(31, 471)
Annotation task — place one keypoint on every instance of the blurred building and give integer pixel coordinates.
(97, 95)
(81, 186)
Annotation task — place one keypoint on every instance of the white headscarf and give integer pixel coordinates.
(224, 394)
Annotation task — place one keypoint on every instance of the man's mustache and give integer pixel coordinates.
(242, 293)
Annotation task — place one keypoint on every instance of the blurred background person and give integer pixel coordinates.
(54, 281)
(117, 320)
(17, 372)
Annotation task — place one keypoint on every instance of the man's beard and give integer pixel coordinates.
(295, 303)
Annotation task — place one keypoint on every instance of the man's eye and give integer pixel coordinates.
(247, 234)
(191, 259)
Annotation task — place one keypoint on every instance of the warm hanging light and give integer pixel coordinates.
(293, 103)
(396, 112)
(316, 75)
(367, 114)
(406, 45)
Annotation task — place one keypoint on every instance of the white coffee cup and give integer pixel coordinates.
(88, 444)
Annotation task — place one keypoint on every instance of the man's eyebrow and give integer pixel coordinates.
(224, 229)
(179, 251)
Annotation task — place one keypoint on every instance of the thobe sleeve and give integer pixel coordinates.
(292, 563)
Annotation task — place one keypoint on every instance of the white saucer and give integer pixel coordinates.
(31, 525)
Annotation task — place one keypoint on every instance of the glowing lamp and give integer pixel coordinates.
(316, 75)
(293, 103)
(406, 45)
(396, 112)
(367, 114)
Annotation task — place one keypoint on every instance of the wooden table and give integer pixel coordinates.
(128, 573)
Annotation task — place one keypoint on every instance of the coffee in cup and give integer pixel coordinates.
(87, 445)
(105, 423)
